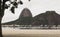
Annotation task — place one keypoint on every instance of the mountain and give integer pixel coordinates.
(48, 18)
(25, 18)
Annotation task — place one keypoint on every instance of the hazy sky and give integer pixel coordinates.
(36, 7)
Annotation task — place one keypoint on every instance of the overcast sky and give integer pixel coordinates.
(36, 7)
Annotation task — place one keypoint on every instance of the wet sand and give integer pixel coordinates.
(32, 35)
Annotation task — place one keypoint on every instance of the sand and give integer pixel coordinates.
(30, 33)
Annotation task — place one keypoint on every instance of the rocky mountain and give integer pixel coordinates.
(49, 18)
(25, 18)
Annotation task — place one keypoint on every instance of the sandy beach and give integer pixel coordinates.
(34, 35)
(10, 32)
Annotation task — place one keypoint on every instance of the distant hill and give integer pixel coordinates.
(48, 18)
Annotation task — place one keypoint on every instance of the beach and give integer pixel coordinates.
(11, 32)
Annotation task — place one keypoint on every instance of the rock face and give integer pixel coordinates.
(26, 17)
(26, 13)
(49, 18)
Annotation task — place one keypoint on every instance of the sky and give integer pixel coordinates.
(35, 6)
